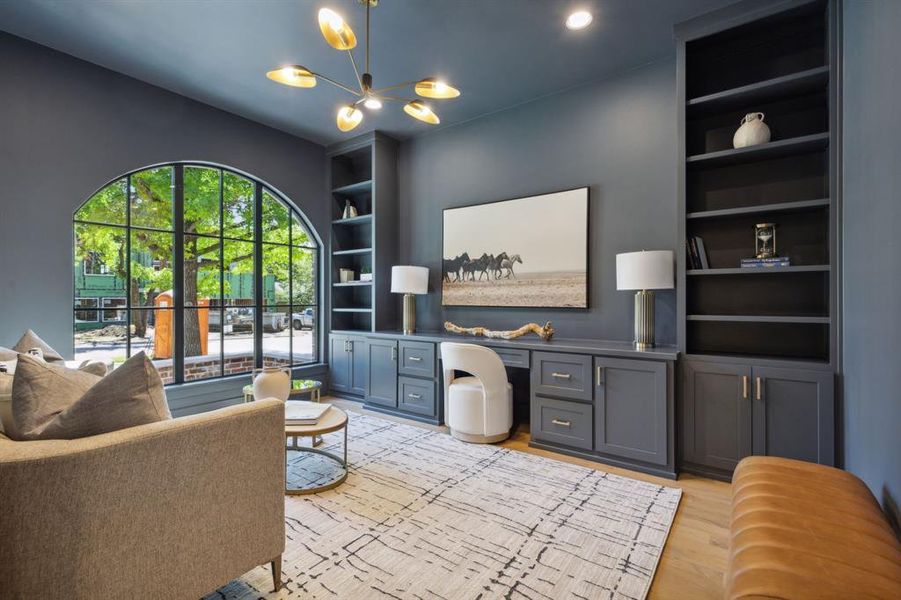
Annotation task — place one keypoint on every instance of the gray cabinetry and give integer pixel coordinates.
(793, 414)
(734, 410)
(347, 364)
(417, 359)
(561, 422)
(416, 396)
(562, 375)
(716, 428)
(381, 366)
(631, 409)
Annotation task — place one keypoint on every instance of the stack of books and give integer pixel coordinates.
(757, 263)
(303, 412)
(697, 254)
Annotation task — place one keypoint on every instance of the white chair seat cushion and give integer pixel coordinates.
(466, 398)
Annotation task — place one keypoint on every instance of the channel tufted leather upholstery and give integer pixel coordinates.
(804, 531)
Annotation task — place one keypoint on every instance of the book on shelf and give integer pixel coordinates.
(702, 253)
(304, 412)
(697, 253)
(755, 263)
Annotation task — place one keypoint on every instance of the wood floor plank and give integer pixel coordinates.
(694, 558)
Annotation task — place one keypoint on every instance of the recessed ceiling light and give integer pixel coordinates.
(578, 20)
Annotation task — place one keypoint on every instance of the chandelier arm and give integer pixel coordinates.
(394, 98)
(356, 70)
(336, 84)
(394, 87)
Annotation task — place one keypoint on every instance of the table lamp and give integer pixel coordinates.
(644, 271)
(409, 280)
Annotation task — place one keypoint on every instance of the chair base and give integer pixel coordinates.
(474, 438)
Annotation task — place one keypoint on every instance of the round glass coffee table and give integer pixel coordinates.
(310, 470)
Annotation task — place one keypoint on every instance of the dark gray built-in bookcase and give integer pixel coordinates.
(759, 344)
(364, 171)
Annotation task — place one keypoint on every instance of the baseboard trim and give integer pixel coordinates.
(601, 458)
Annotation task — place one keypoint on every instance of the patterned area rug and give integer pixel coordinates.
(424, 516)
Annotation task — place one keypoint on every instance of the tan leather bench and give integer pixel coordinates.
(800, 530)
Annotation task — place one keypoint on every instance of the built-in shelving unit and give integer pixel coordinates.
(363, 172)
(779, 65)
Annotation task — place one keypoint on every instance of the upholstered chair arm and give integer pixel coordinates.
(172, 509)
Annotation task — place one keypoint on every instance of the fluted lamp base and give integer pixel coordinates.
(409, 314)
(644, 319)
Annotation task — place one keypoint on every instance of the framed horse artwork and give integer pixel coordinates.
(525, 252)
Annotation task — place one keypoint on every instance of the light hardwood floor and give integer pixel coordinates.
(694, 558)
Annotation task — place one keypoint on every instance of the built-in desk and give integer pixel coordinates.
(596, 399)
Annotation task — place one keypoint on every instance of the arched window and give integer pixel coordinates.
(209, 272)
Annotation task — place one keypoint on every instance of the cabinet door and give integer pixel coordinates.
(630, 409)
(381, 365)
(358, 369)
(339, 363)
(717, 413)
(794, 414)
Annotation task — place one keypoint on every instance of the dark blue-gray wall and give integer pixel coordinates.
(871, 262)
(66, 128)
(617, 136)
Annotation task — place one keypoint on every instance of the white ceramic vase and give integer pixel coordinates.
(752, 131)
(272, 382)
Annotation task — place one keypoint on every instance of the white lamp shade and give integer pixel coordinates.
(645, 270)
(407, 279)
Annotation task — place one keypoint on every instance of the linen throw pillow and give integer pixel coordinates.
(6, 354)
(131, 395)
(31, 340)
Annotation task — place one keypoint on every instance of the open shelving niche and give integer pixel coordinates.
(363, 171)
(778, 65)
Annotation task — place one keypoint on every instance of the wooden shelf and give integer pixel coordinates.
(354, 189)
(352, 310)
(778, 149)
(352, 284)
(761, 209)
(758, 319)
(351, 252)
(760, 270)
(360, 220)
(796, 84)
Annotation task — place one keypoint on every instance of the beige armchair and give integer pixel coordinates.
(173, 509)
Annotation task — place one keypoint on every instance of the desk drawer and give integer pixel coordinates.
(562, 375)
(416, 396)
(417, 359)
(513, 357)
(562, 422)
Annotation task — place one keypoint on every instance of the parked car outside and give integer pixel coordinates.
(303, 319)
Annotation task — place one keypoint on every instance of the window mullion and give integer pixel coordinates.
(127, 267)
(178, 274)
(258, 274)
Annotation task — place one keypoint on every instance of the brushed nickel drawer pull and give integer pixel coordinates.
(415, 359)
(415, 396)
(562, 423)
(393, 354)
(561, 375)
(744, 387)
(759, 386)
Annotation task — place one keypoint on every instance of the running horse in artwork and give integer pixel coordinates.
(453, 265)
(508, 263)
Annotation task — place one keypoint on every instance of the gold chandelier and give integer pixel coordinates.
(340, 36)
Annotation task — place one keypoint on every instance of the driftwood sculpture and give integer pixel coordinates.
(545, 333)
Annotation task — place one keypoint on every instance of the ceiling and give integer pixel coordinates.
(498, 52)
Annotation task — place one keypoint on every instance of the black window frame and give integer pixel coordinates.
(221, 305)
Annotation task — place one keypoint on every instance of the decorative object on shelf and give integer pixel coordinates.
(765, 240)
(365, 274)
(545, 333)
(340, 36)
(350, 211)
(409, 280)
(644, 271)
(345, 275)
(530, 251)
(753, 131)
(271, 382)
(756, 263)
